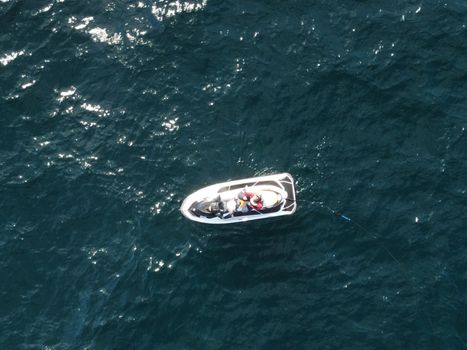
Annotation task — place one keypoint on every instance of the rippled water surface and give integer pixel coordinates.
(112, 112)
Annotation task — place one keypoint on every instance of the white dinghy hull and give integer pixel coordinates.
(220, 203)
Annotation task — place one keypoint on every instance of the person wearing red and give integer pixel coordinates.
(253, 200)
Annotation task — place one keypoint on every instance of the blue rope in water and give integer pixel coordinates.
(345, 217)
(402, 266)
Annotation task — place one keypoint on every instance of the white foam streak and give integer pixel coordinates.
(46, 8)
(100, 35)
(64, 94)
(101, 112)
(84, 23)
(69, 92)
(9, 57)
(171, 125)
(26, 85)
(166, 10)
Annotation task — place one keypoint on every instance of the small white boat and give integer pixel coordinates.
(222, 203)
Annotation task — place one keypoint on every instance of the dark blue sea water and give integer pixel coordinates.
(113, 111)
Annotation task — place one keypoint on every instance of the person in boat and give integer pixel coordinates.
(252, 200)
